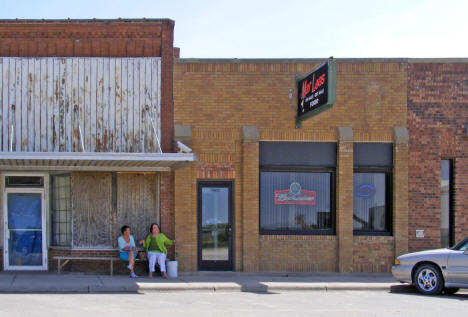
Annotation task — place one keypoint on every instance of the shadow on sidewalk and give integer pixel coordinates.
(410, 290)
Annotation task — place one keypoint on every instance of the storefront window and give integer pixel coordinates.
(372, 188)
(61, 209)
(370, 203)
(296, 202)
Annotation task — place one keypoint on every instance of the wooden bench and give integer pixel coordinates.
(68, 258)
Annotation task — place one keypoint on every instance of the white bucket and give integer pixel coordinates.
(171, 269)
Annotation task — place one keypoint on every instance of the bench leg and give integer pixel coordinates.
(60, 266)
(111, 267)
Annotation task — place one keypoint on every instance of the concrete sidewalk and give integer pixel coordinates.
(44, 282)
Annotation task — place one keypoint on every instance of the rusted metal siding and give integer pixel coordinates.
(44, 102)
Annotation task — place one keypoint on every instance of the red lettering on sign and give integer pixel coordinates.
(314, 85)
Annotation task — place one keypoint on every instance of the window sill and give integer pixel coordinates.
(372, 233)
(296, 233)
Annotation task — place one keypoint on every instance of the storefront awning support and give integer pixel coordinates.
(12, 128)
(148, 113)
(77, 113)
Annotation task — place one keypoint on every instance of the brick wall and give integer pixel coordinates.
(373, 254)
(217, 98)
(166, 203)
(298, 253)
(437, 115)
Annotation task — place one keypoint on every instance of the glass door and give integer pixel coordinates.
(25, 247)
(215, 226)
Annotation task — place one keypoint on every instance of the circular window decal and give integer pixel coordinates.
(295, 188)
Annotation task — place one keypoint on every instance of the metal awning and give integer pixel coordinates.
(97, 161)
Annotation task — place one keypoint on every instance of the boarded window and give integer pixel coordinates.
(137, 202)
(92, 210)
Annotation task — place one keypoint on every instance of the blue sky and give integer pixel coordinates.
(283, 29)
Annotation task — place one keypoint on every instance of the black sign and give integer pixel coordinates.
(316, 91)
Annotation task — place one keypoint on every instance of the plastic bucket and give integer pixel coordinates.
(171, 269)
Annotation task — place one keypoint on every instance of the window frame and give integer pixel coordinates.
(388, 200)
(300, 169)
(51, 219)
(451, 197)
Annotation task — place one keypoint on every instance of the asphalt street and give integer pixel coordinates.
(400, 301)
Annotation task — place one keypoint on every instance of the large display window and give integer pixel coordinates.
(297, 188)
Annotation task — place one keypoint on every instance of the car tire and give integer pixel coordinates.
(450, 290)
(428, 279)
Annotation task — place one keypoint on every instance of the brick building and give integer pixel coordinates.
(238, 117)
(87, 134)
(437, 123)
(91, 111)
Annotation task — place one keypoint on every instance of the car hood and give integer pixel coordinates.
(426, 253)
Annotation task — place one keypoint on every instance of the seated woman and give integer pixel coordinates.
(154, 245)
(128, 251)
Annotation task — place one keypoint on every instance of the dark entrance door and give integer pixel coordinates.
(215, 225)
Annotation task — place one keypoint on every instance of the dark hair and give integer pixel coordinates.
(124, 228)
(151, 227)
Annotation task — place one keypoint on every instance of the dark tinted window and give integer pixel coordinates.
(373, 154)
(298, 153)
(445, 204)
(24, 181)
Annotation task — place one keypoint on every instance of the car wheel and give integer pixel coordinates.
(428, 279)
(450, 290)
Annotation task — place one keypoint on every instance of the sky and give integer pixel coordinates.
(283, 29)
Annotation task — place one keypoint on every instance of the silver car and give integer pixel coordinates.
(434, 271)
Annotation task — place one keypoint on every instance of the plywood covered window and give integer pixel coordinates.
(137, 201)
(92, 210)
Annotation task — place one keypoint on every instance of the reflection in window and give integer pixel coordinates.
(215, 222)
(295, 201)
(370, 206)
(61, 209)
(445, 201)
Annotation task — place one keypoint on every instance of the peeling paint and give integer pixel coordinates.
(49, 87)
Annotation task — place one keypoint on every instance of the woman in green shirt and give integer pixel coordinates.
(155, 246)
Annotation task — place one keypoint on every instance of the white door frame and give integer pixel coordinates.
(43, 191)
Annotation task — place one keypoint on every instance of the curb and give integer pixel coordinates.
(268, 288)
(195, 287)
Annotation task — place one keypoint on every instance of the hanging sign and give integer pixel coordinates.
(316, 91)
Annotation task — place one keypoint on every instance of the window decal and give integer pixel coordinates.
(366, 191)
(295, 195)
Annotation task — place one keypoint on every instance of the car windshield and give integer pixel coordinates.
(461, 246)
